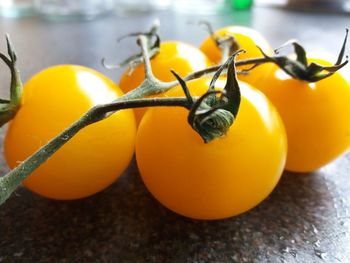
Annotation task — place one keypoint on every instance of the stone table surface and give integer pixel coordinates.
(305, 219)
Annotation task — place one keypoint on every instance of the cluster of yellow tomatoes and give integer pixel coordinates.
(214, 180)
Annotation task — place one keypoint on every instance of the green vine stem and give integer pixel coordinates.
(13, 179)
(136, 98)
(133, 99)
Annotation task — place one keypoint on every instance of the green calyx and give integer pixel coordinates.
(299, 67)
(209, 123)
(133, 61)
(212, 114)
(9, 108)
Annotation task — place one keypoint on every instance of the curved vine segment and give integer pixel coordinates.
(9, 108)
(300, 69)
(212, 115)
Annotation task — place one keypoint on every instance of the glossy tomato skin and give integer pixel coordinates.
(181, 57)
(247, 39)
(93, 159)
(222, 178)
(316, 117)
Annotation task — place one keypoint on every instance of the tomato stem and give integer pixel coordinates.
(142, 41)
(227, 44)
(133, 61)
(133, 99)
(13, 179)
(216, 113)
(300, 68)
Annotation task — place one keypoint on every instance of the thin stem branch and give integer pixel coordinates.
(146, 59)
(5, 59)
(225, 52)
(211, 70)
(13, 179)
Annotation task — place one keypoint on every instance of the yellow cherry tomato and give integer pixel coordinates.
(316, 117)
(247, 39)
(222, 178)
(93, 159)
(181, 57)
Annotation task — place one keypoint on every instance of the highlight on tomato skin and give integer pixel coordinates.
(248, 39)
(178, 56)
(92, 160)
(223, 178)
(316, 117)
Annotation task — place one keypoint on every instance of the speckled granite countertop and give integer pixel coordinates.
(306, 218)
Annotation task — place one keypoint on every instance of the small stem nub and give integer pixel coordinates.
(227, 44)
(9, 108)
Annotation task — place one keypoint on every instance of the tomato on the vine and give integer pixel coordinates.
(214, 180)
(247, 39)
(181, 57)
(316, 116)
(52, 100)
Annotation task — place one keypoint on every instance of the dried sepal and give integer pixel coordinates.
(299, 67)
(212, 114)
